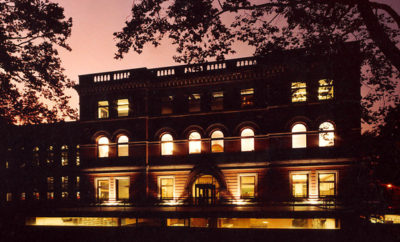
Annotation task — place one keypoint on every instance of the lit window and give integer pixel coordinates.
(217, 141)
(77, 156)
(50, 183)
(64, 182)
(327, 184)
(217, 101)
(299, 92)
(123, 147)
(78, 195)
(36, 195)
(64, 195)
(167, 145)
(64, 155)
(9, 197)
(103, 109)
(247, 186)
(194, 143)
(103, 190)
(325, 89)
(7, 165)
(50, 195)
(300, 185)
(103, 147)
(122, 191)
(78, 182)
(326, 134)
(247, 97)
(123, 107)
(166, 188)
(167, 105)
(23, 196)
(194, 102)
(36, 158)
(247, 140)
(50, 155)
(299, 140)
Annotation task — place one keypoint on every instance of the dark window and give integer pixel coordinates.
(247, 97)
(167, 105)
(217, 101)
(194, 100)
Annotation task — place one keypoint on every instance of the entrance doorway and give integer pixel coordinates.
(205, 190)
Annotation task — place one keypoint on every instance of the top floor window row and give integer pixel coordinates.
(214, 101)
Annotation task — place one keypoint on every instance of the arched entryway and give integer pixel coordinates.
(205, 190)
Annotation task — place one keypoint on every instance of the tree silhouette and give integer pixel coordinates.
(203, 29)
(31, 78)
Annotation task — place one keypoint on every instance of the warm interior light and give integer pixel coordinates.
(389, 185)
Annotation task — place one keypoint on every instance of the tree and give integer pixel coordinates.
(31, 77)
(204, 29)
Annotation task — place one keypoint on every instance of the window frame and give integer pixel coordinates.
(244, 138)
(121, 145)
(194, 142)
(167, 104)
(159, 187)
(299, 134)
(217, 102)
(127, 105)
(212, 140)
(330, 87)
(296, 92)
(335, 182)
(291, 174)
(165, 143)
(327, 132)
(240, 175)
(247, 99)
(194, 102)
(96, 182)
(105, 106)
(103, 145)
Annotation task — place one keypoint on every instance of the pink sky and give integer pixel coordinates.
(93, 45)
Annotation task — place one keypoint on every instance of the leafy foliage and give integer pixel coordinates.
(203, 29)
(31, 76)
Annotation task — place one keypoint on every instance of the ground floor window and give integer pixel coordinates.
(327, 184)
(166, 187)
(247, 185)
(103, 190)
(299, 185)
(111, 189)
(122, 189)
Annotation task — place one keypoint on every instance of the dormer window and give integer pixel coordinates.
(217, 101)
(123, 107)
(167, 104)
(299, 92)
(103, 109)
(247, 97)
(194, 102)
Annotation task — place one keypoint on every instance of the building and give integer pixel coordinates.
(273, 135)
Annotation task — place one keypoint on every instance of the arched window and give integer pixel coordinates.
(123, 147)
(194, 143)
(217, 141)
(326, 134)
(247, 139)
(167, 145)
(299, 140)
(103, 147)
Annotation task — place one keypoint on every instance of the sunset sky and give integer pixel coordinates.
(93, 45)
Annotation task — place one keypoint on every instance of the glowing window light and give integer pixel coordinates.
(194, 143)
(299, 140)
(123, 107)
(103, 147)
(217, 141)
(326, 134)
(327, 184)
(166, 186)
(167, 145)
(103, 111)
(299, 92)
(247, 139)
(300, 185)
(325, 89)
(123, 147)
(64, 155)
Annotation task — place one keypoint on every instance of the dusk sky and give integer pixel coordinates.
(93, 44)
